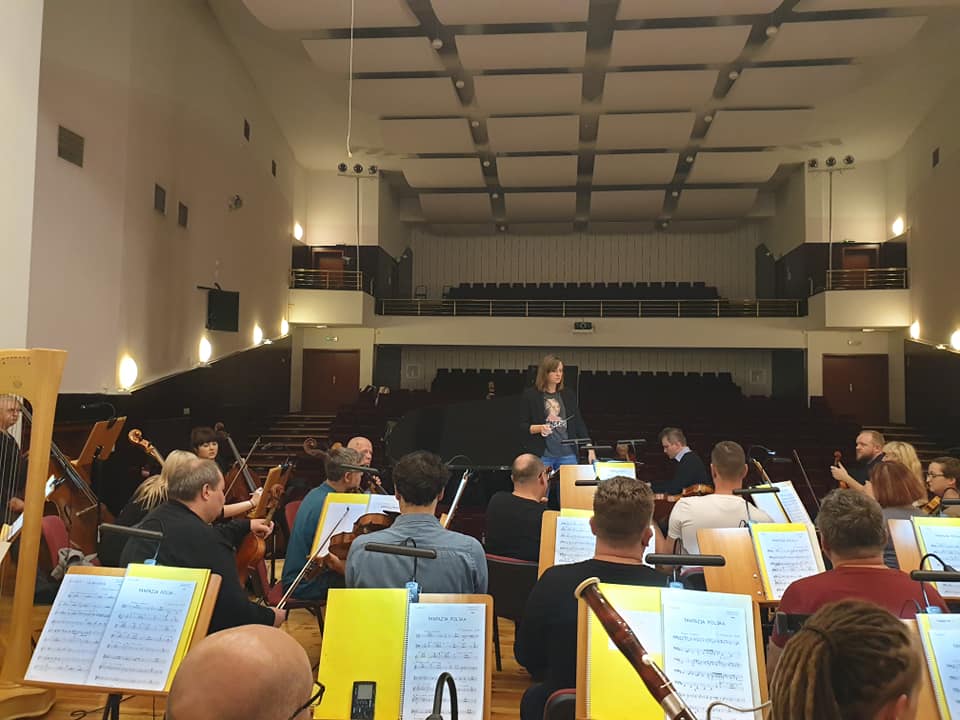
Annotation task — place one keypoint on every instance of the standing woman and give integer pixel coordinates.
(553, 416)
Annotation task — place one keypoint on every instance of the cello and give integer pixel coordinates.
(136, 437)
(253, 548)
(76, 503)
(233, 492)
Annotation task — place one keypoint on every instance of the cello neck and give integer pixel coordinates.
(242, 463)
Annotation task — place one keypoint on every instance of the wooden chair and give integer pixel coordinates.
(509, 582)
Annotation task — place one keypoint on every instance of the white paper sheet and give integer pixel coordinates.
(710, 651)
(444, 637)
(142, 635)
(788, 556)
(792, 504)
(943, 541)
(74, 629)
(575, 543)
(340, 518)
(944, 646)
(607, 470)
(769, 503)
(383, 504)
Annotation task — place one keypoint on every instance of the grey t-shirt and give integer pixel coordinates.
(556, 413)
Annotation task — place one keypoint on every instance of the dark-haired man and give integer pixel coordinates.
(690, 469)
(547, 636)
(853, 535)
(195, 495)
(460, 565)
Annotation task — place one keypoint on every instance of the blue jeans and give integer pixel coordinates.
(554, 463)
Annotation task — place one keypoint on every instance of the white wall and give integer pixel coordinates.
(394, 234)
(927, 198)
(859, 204)
(725, 260)
(160, 97)
(861, 308)
(329, 307)
(788, 226)
(20, 33)
(332, 202)
(751, 369)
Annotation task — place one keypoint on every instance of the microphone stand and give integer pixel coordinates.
(816, 500)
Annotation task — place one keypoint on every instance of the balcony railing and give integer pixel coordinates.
(596, 308)
(868, 279)
(302, 278)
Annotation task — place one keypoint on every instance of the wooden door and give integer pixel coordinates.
(857, 385)
(859, 258)
(331, 378)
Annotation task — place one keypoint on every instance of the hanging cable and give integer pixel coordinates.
(353, 8)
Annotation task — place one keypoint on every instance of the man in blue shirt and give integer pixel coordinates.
(308, 517)
(460, 565)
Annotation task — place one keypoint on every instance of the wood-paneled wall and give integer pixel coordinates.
(751, 369)
(724, 260)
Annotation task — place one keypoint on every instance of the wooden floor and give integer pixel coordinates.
(508, 685)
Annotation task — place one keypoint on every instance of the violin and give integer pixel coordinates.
(624, 638)
(76, 503)
(232, 491)
(690, 491)
(837, 458)
(136, 437)
(253, 548)
(932, 506)
(336, 557)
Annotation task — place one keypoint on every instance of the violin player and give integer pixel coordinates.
(304, 528)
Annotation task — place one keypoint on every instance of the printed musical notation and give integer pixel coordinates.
(942, 644)
(383, 504)
(74, 629)
(707, 655)
(784, 558)
(796, 512)
(444, 638)
(575, 542)
(943, 540)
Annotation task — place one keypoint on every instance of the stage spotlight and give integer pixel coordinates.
(813, 163)
(373, 169)
(849, 160)
(358, 169)
(831, 162)
(342, 167)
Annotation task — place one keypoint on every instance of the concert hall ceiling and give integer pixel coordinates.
(594, 114)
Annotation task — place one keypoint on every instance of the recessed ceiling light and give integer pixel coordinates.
(708, 118)
(486, 163)
(460, 84)
(475, 123)
(436, 43)
(772, 30)
(733, 74)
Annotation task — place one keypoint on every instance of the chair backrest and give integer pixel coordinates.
(561, 705)
(510, 582)
(55, 535)
(290, 512)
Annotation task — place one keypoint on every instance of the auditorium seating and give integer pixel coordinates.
(670, 290)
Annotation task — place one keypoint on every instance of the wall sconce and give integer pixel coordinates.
(127, 372)
(204, 350)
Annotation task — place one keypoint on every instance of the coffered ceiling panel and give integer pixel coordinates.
(791, 86)
(522, 50)
(541, 207)
(310, 15)
(407, 96)
(534, 134)
(626, 204)
(538, 171)
(658, 90)
(644, 9)
(512, 94)
(734, 167)
(758, 128)
(440, 136)
(678, 46)
(715, 203)
(650, 130)
(443, 172)
(634, 169)
(813, 5)
(456, 207)
(492, 12)
(373, 55)
(840, 38)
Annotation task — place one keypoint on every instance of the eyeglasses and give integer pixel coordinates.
(315, 698)
(935, 475)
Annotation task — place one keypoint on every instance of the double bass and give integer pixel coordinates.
(233, 491)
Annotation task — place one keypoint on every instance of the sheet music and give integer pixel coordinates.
(142, 635)
(341, 516)
(708, 651)
(786, 556)
(944, 645)
(383, 504)
(943, 541)
(607, 470)
(792, 504)
(575, 541)
(771, 506)
(444, 637)
(74, 629)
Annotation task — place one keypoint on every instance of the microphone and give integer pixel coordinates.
(586, 482)
(768, 455)
(131, 531)
(444, 678)
(755, 490)
(405, 550)
(361, 468)
(692, 560)
(100, 404)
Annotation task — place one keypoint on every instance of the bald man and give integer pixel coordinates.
(514, 519)
(363, 446)
(252, 671)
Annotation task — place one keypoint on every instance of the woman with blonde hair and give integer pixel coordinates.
(851, 660)
(905, 453)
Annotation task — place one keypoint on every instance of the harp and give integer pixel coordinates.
(35, 376)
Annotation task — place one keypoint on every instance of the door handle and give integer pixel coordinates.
(851, 387)
(335, 382)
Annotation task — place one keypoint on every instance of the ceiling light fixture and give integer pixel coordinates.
(708, 119)
(494, 195)
(772, 30)
(689, 158)
(436, 43)
(460, 84)
(733, 74)
(486, 163)
(475, 123)
(675, 193)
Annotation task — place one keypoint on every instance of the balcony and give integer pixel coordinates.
(868, 279)
(719, 308)
(306, 279)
